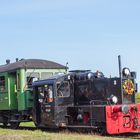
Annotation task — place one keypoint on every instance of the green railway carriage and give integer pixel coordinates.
(16, 87)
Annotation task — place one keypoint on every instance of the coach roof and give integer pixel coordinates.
(31, 64)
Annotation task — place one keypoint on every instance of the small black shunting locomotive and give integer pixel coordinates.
(83, 99)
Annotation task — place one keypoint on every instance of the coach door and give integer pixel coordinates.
(45, 109)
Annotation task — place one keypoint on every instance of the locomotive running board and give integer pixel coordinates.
(82, 126)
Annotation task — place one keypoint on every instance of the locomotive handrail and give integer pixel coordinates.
(92, 102)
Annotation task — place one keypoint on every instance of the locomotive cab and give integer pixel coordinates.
(52, 97)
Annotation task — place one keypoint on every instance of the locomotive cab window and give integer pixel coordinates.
(2, 84)
(63, 89)
(45, 94)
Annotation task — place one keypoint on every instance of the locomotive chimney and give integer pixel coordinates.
(120, 73)
(7, 61)
(120, 66)
(17, 60)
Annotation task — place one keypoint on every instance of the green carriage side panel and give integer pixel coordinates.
(4, 101)
(29, 98)
(13, 104)
(20, 89)
(4, 95)
(8, 98)
(21, 101)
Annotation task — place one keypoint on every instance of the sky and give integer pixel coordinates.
(88, 34)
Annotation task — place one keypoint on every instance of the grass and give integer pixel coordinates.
(8, 134)
(137, 96)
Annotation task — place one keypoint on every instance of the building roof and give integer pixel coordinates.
(31, 64)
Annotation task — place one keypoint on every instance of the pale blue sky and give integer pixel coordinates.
(89, 34)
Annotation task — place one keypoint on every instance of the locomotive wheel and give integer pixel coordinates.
(14, 125)
(36, 125)
(102, 131)
(5, 124)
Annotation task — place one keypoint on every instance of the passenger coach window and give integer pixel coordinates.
(31, 77)
(63, 89)
(2, 84)
(45, 75)
(30, 81)
(18, 81)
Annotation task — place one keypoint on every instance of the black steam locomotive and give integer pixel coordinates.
(83, 99)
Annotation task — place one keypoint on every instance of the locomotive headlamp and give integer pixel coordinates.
(69, 77)
(113, 99)
(125, 109)
(99, 74)
(126, 72)
(89, 76)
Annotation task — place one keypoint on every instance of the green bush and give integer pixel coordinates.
(137, 97)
